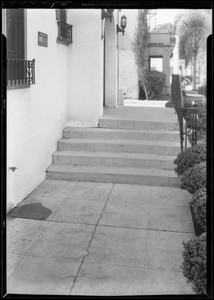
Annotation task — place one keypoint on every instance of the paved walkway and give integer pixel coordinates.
(98, 239)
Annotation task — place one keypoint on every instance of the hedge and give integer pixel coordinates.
(194, 178)
(194, 263)
(154, 82)
(202, 90)
(199, 204)
(190, 157)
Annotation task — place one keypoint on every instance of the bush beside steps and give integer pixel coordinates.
(191, 167)
(194, 263)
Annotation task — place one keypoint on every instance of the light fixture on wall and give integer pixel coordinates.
(57, 14)
(107, 14)
(123, 24)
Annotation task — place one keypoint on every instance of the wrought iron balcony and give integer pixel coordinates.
(65, 32)
(20, 72)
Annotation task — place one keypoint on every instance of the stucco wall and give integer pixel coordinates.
(165, 52)
(85, 68)
(160, 38)
(68, 88)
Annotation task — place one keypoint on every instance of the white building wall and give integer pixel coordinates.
(160, 37)
(68, 87)
(85, 68)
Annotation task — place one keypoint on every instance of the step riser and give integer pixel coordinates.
(165, 150)
(138, 125)
(113, 162)
(108, 178)
(150, 136)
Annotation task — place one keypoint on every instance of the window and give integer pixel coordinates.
(64, 29)
(156, 63)
(15, 34)
(20, 72)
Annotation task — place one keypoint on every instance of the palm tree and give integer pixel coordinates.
(193, 29)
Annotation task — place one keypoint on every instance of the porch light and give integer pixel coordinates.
(123, 24)
(57, 15)
(107, 14)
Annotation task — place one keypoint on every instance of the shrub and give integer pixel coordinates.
(201, 117)
(194, 263)
(194, 178)
(202, 114)
(154, 82)
(199, 203)
(190, 157)
(202, 89)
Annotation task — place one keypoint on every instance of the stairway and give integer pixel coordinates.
(119, 151)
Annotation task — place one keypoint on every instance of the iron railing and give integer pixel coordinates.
(187, 116)
(190, 115)
(65, 32)
(20, 72)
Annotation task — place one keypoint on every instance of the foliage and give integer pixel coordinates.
(194, 178)
(199, 203)
(154, 82)
(140, 42)
(202, 89)
(201, 117)
(202, 114)
(190, 157)
(193, 29)
(172, 39)
(194, 263)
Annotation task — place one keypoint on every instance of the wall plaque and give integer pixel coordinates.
(42, 39)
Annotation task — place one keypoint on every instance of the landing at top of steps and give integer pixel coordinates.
(155, 114)
(138, 124)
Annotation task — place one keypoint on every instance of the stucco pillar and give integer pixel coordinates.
(110, 64)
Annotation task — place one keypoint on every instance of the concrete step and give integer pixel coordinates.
(111, 145)
(136, 124)
(109, 159)
(151, 177)
(130, 134)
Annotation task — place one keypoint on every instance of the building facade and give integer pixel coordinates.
(62, 70)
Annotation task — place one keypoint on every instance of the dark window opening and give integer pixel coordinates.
(20, 72)
(64, 29)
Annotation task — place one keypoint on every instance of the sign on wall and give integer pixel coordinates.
(42, 39)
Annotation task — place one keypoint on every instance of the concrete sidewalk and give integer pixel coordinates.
(98, 239)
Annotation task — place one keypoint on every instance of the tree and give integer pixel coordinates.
(193, 29)
(139, 43)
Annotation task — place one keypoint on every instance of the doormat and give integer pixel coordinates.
(30, 211)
